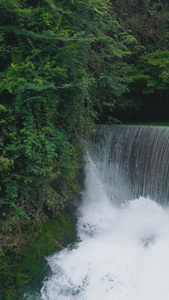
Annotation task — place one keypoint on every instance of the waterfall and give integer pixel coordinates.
(123, 221)
(133, 160)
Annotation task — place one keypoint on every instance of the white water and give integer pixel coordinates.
(123, 252)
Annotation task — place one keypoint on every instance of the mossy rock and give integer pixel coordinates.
(10, 294)
(55, 235)
(7, 276)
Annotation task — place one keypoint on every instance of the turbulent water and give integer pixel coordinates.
(123, 250)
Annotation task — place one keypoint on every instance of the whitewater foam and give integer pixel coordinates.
(122, 251)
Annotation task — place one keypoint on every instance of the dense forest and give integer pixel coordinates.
(66, 65)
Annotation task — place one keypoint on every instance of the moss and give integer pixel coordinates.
(55, 235)
(10, 294)
(22, 273)
(7, 275)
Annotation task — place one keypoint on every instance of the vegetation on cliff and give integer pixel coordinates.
(65, 65)
(61, 65)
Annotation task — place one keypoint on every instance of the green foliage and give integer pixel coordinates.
(152, 72)
(7, 271)
(61, 64)
(65, 65)
(147, 20)
(147, 66)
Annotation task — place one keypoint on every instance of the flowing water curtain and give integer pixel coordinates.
(135, 155)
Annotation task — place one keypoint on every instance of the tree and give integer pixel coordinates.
(62, 63)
